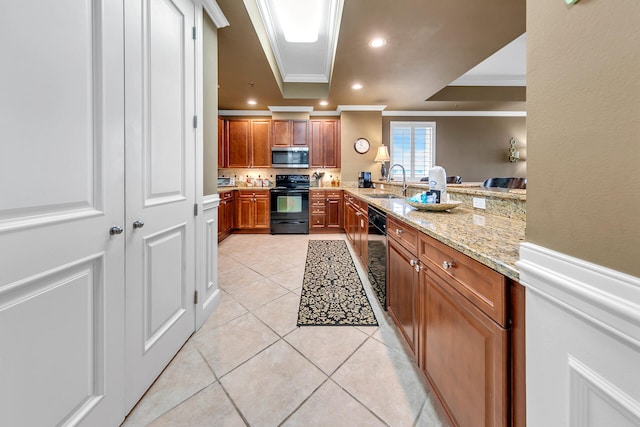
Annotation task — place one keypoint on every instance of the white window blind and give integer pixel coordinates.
(413, 145)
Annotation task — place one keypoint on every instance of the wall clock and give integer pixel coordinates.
(361, 145)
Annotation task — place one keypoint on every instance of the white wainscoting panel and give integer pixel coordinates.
(208, 286)
(583, 341)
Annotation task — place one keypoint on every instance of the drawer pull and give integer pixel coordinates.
(448, 264)
(399, 231)
(413, 262)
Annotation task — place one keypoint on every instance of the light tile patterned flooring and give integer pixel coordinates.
(250, 364)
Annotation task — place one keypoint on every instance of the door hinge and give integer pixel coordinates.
(195, 209)
(195, 33)
(195, 122)
(195, 297)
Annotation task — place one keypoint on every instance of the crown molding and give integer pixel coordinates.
(290, 109)
(215, 13)
(455, 113)
(342, 108)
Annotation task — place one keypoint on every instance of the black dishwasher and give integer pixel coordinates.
(377, 253)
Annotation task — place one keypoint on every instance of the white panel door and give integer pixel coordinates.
(160, 189)
(61, 191)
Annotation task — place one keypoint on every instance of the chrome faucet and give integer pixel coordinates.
(404, 178)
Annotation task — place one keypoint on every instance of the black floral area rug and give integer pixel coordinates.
(332, 293)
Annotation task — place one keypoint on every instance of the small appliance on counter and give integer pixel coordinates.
(226, 181)
(364, 180)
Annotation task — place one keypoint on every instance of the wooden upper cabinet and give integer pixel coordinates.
(300, 133)
(238, 143)
(261, 143)
(222, 160)
(290, 133)
(247, 143)
(324, 143)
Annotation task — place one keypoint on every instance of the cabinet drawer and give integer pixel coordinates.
(318, 210)
(334, 194)
(484, 287)
(405, 235)
(251, 193)
(317, 194)
(226, 195)
(317, 203)
(318, 220)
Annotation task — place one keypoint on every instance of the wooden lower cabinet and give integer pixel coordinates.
(252, 210)
(464, 324)
(464, 356)
(402, 301)
(356, 223)
(226, 215)
(325, 211)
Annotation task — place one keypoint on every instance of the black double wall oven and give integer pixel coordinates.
(290, 205)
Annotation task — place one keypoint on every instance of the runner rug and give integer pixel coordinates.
(332, 293)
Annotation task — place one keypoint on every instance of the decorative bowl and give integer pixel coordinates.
(433, 206)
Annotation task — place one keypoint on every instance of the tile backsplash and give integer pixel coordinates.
(241, 174)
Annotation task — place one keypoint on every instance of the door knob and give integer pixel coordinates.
(115, 230)
(138, 224)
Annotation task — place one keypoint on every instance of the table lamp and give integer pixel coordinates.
(382, 156)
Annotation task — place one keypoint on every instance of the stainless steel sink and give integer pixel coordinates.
(384, 196)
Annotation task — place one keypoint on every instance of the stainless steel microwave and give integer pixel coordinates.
(290, 157)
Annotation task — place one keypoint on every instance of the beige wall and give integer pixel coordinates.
(359, 124)
(474, 148)
(583, 130)
(210, 113)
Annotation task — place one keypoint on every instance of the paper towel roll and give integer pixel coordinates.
(438, 182)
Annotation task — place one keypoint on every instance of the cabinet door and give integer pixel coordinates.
(222, 220)
(331, 143)
(262, 212)
(324, 143)
(244, 212)
(281, 133)
(300, 133)
(261, 143)
(231, 215)
(465, 356)
(361, 237)
(333, 209)
(316, 152)
(221, 144)
(401, 290)
(238, 143)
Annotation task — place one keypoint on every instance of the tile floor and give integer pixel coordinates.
(249, 365)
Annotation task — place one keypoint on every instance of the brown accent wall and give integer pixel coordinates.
(474, 148)
(210, 101)
(359, 124)
(583, 102)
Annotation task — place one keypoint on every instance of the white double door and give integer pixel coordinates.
(95, 134)
(160, 174)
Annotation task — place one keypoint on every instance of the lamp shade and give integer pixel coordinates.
(382, 155)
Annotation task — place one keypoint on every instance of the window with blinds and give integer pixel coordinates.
(413, 145)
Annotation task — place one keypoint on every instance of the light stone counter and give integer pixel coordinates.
(490, 239)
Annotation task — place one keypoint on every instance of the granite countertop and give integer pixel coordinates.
(489, 239)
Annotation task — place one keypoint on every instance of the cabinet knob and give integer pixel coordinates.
(138, 224)
(448, 264)
(115, 230)
(399, 231)
(413, 262)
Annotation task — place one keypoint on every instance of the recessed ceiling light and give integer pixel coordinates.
(377, 42)
(324, 103)
(356, 86)
(252, 102)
